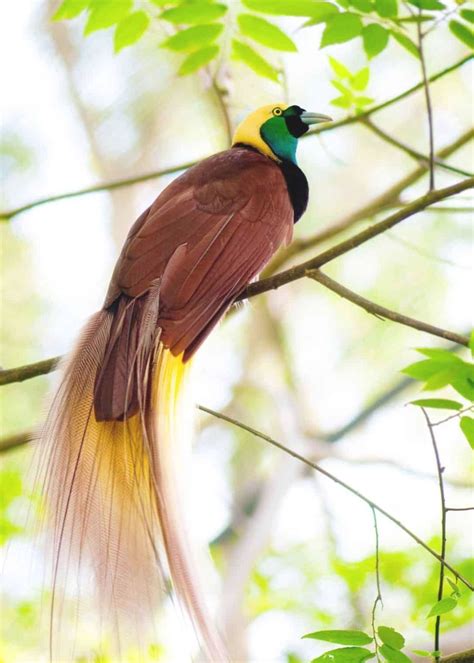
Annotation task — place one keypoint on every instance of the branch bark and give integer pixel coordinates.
(376, 309)
(21, 373)
(466, 656)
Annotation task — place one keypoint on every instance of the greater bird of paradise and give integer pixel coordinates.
(111, 444)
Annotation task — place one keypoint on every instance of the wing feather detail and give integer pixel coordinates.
(205, 237)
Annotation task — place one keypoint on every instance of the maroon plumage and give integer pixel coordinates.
(185, 261)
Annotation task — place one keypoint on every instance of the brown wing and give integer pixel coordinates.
(205, 237)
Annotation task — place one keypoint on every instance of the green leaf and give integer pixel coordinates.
(265, 33)
(406, 42)
(360, 80)
(391, 637)
(467, 427)
(325, 10)
(423, 370)
(70, 9)
(363, 101)
(468, 15)
(252, 59)
(342, 102)
(471, 340)
(375, 39)
(438, 403)
(393, 655)
(427, 4)
(197, 60)
(341, 28)
(440, 354)
(309, 8)
(341, 637)
(339, 69)
(130, 29)
(386, 8)
(194, 13)
(440, 607)
(345, 655)
(365, 6)
(463, 32)
(103, 14)
(193, 38)
(342, 88)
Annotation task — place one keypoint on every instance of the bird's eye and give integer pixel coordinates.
(277, 111)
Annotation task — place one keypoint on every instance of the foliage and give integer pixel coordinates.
(444, 368)
(195, 24)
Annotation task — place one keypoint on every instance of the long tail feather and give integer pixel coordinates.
(113, 496)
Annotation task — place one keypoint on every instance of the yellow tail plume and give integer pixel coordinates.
(114, 500)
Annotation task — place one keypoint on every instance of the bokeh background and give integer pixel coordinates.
(293, 552)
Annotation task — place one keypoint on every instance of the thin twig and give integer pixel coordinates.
(20, 373)
(410, 151)
(15, 441)
(376, 309)
(429, 108)
(440, 471)
(327, 474)
(453, 416)
(459, 508)
(378, 598)
(129, 181)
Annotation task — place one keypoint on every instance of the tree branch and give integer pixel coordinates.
(300, 271)
(439, 470)
(466, 656)
(376, 309)
(293, 274)
(411, 152)
(20, 373)
(327, 474)
(5, 216)
(387, 199)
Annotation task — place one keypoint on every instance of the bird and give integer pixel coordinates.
(113, 442)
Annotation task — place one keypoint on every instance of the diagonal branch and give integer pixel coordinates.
(21, 373)
(376, 309)
(387, 199)
(288, 276)
(129, 181)
(300, 271)
(331, 476)
(411, 152)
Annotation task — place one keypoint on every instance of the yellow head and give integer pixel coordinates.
(274, 130)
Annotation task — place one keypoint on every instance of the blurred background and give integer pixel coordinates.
(294, 553)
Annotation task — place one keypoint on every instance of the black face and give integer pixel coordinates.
(295, 125)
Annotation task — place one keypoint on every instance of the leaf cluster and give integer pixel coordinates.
(443, 368)
(202, 29)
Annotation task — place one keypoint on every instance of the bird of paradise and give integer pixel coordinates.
(112, 442)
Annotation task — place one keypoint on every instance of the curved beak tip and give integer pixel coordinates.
(314, 118)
